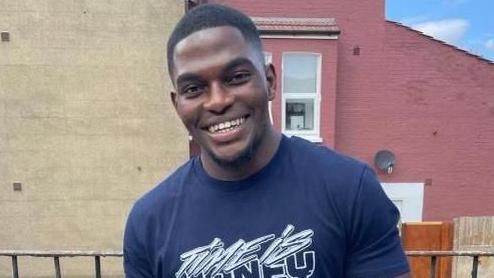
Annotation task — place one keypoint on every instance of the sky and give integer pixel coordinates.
(466, 24)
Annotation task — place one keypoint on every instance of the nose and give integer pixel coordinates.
(219, 98)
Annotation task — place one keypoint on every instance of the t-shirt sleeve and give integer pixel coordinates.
(374, 244)
(136, 264)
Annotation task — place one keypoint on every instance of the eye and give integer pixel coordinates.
(191, 90)
(238, 78)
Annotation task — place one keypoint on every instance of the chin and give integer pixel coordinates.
(234, 160)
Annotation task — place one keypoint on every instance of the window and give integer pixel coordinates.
(268, 59)
(301, 95)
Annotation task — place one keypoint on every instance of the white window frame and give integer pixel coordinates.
(311, 135)
(268, 59)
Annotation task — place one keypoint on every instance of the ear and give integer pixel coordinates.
(271, 81)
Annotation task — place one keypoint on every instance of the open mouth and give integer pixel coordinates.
(226, 126)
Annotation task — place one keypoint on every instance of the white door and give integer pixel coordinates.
(408, 198)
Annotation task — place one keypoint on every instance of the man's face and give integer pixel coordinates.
(222, 92)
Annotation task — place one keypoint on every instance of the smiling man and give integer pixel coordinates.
(254, 203)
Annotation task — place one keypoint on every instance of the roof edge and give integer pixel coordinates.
(298, 32)
(442, 42)
(296, 26)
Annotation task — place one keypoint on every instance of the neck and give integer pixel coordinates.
(263, 154)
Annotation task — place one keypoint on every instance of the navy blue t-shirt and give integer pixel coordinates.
(309, 213)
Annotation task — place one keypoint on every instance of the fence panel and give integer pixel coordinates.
(428, 236)
(56, 255)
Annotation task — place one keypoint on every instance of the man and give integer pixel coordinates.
(254, 203)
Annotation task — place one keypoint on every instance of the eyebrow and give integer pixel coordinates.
(187, 77)
(229, 66)
(239, 61)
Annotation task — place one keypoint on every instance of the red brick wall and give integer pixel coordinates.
(435, 110)
(429, 103)
(362, 25)
(433, 106)
(442, 102)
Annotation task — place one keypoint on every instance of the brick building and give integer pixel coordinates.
(356, 82)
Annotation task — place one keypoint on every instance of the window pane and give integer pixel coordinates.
(299, 73)
(299, 114)
(268, 58)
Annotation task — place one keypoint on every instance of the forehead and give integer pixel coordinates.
(209, 48)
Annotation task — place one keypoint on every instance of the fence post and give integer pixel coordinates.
(97, 266)
(433, 266)
(475, 266)
(15, 268)
(58, 273)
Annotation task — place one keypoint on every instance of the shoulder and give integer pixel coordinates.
(323, 160)
(147, 217)
(163, 194)
(336, 176)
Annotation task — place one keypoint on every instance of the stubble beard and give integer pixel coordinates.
(247, 155)
(241, 159)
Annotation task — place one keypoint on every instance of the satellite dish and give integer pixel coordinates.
(385, 161)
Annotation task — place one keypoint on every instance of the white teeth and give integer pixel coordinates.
(226, 126)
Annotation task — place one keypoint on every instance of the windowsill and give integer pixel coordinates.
(311, 138)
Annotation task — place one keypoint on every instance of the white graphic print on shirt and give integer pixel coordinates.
(284, 257)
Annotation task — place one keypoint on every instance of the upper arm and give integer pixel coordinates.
(136, 263)
(374, 245)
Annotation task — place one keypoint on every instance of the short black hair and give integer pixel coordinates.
(210, 16)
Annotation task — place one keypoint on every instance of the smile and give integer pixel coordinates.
(226, 126)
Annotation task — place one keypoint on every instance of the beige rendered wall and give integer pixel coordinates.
(86, 124)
